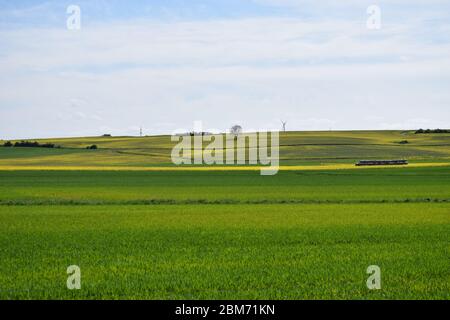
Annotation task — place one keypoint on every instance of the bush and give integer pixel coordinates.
(404, 142)
(8, 144)
(93, 147)
(47, 145)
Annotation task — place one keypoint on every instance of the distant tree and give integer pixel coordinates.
(8, 144)
(236, 130)
(106, 135)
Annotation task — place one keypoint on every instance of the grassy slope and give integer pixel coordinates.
(296, 148)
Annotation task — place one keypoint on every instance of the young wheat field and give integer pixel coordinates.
(140, 228)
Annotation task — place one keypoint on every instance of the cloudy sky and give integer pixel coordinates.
(164, 64)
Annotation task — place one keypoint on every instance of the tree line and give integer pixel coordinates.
(30, 144)
(36, 144)
(432, 131)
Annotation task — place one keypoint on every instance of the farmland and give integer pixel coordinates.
(227, 234)
(296, 148)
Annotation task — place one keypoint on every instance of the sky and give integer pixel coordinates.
(162, 65)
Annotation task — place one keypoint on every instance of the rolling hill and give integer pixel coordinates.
(296, 148)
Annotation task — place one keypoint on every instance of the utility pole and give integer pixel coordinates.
(140, 132)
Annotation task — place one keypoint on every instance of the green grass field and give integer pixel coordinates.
(301, 234)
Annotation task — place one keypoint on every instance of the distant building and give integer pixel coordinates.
(194, 134)
(381, 162)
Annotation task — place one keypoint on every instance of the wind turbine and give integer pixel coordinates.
(284, 125)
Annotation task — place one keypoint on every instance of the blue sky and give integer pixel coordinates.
(164, 64)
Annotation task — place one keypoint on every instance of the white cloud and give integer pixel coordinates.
(243, 42)
(164, 76)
